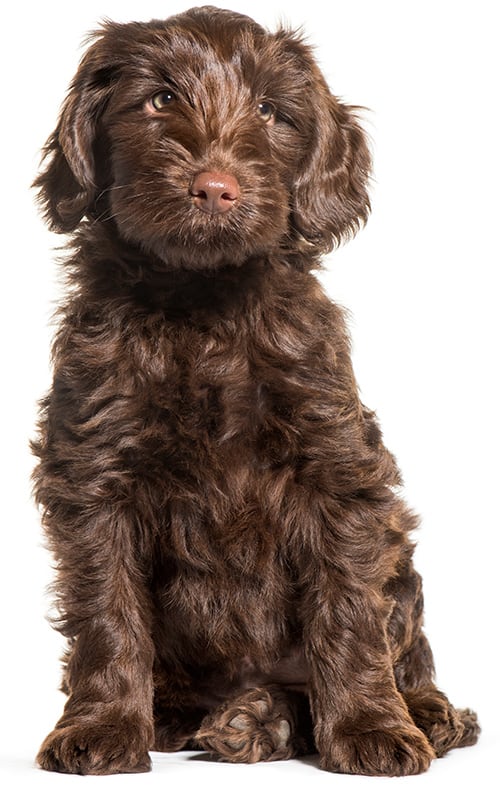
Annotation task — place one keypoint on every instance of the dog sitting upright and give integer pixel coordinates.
(234, 563)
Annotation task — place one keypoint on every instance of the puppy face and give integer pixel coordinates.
(204, 140)
(202, 104)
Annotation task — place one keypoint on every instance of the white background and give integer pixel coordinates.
(422, 287)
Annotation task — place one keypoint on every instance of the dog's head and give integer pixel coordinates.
(204, 140)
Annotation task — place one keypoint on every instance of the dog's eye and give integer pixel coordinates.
(267, 111)
(161, 101)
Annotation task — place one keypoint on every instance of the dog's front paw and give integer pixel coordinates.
(95, 747)
(394, 753)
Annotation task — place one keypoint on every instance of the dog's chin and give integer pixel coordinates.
(216, 247)
(202, 256)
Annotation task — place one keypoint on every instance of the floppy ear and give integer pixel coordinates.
(330, 199)
(67, 185)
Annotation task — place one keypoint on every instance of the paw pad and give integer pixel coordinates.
(258, 731)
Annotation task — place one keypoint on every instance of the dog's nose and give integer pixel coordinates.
(214, 192)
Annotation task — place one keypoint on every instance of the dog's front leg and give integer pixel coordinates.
(361, 723)
(107, 726)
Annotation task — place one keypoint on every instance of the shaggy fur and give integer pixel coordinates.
(234, 562)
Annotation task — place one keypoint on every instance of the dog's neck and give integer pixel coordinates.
(107, 269)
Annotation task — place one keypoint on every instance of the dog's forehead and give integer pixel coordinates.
(200, 47)
(214, 60)
(200, 50)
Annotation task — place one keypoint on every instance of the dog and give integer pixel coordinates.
(234, 558)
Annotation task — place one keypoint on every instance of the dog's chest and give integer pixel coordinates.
(215, 400)
(221, 447)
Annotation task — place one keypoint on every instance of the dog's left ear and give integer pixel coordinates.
(330, 200)
(67, 186)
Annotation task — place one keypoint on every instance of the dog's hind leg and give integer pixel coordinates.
(176, 729)
(260, 724)
(178, 709)
(444, 726)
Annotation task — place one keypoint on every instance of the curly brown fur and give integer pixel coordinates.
(234, 562)
(261, 724)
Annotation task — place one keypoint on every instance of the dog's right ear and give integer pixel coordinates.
(67, 185)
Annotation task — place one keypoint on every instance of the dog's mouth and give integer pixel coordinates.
(208, 238)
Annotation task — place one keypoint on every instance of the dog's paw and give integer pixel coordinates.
(472, 729)
(254, 727)
(393, 753)
(444, 726)
(95, 747)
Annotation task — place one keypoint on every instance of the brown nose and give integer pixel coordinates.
(214, 192)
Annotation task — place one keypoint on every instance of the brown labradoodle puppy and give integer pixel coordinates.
(234, 561)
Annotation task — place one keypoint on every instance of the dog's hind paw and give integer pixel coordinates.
(255, 726)
(444, 726)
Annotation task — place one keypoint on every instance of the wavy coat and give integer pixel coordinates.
(234, 559)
